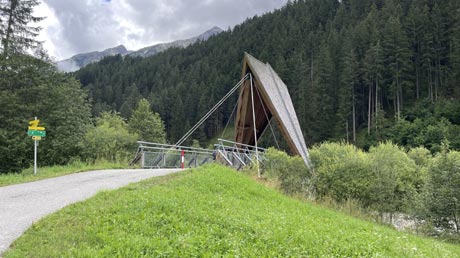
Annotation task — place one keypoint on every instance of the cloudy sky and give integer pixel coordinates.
(79, 26)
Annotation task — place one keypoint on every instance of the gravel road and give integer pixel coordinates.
(23, 204)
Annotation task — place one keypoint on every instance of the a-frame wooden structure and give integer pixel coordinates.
(266, 95)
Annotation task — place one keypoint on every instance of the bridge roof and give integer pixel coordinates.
(271, 99)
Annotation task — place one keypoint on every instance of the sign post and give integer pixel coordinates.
(35, 157)
(37, 132)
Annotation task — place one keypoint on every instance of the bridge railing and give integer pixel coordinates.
(233, 154)
(238, 155)
(159, 155)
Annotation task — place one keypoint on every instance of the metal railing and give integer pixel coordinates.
(233, 154)
(158, 155)
(238, 155)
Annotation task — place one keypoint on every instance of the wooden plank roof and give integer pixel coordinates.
(271, 99)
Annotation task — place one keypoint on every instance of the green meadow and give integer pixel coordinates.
(212, 211)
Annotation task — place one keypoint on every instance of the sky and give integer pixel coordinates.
(78, 26)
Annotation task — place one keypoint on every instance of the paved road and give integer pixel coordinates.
(23, 204)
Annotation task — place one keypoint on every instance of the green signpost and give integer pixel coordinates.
(36, 133)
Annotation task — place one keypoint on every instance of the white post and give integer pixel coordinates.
(35, 155)
(143, 159)
(255, 129)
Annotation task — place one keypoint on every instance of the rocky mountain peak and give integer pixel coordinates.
(81, 60)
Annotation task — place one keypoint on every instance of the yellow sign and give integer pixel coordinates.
(34, 125)
(36, 138)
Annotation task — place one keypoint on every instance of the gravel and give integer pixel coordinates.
(22, 205)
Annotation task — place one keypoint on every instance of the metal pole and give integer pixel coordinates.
(254, 122)
(35, 155)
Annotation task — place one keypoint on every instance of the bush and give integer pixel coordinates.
(394, 178)
(443, 203)
(276, 164)
(109, 139)
(295, 177)
(421, 156)
(342, 172)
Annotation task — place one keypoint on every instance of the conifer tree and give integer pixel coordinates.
(323, 99)
(347, 104)
(414, 28)
(17, 34)
(147, 124)
(397, 56)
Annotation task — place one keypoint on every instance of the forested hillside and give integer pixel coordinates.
(359, 70)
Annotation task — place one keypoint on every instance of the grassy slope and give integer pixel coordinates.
(47, 172)
(212, 211)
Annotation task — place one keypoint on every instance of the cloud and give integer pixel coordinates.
(89, 25)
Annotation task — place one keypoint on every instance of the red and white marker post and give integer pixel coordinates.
(182, 156)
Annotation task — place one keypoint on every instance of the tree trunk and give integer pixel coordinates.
(376, 102)
(394, 104)
(348, 134)
(456, 222)
(369, 110)
(398, 108)
(354, 120)
(436, 77)
(439, 78)
(401, 96)
(417, 81)
(430, 89)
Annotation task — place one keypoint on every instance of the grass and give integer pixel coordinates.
(211, 212)
(27, 175)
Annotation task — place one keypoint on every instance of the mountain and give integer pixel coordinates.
(153, 50)
(81, 60)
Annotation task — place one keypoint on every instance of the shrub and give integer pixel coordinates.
(294, 176)
(109, 139)
(342, 172)
(394, 178)
(276, 164)
(443, 203)
(421, 156)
